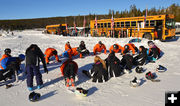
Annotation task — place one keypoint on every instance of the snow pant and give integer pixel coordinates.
(114, 70)
(5, 74)
(69, 71)
(31, 71)
(85, 52)
(100, 76)
(9, 71)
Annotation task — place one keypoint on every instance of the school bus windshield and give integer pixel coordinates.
(170, 23)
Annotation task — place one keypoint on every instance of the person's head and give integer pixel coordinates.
(98, 59)
(54, 52)
(115, 47)
(7, 51)
(150, 44)
(21, 57)
(141, 48)
(126, 47)
(82, 43)
(100, 43)
(33, 46)
(68, 43)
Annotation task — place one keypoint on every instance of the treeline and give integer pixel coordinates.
(21, 24)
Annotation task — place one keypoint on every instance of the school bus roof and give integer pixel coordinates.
(141, 18)
(57, 25)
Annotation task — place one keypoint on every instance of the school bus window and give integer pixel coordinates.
(118, 24)
(122, 24)
(152, 23)
(133, 23)
(105, 25)
(98, 25)
(159, 22)
(109, 25)
(147, 23)
(127, 24)
(101, 25)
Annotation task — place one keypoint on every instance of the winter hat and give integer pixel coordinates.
(115, 46)
(7, 51)
(21, 57)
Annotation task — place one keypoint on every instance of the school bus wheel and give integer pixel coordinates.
(147, 36)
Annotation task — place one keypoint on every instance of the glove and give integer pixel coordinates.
(46, 70)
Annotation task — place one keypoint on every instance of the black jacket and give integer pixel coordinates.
(33, 56)
(98, 73)
(113, 65)
(141, 58)
(127, 61)
(154, 52)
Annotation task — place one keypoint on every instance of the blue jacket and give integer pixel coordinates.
(6, 61)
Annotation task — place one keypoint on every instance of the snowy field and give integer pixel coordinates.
(115, 92)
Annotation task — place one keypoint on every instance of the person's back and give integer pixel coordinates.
(51, 52)
(130, 47)
(140, 59)
(99, 47)
(116, 48)
(99, 71)
(69, 70)
(127, 61)
(113, 65)
(6, 61)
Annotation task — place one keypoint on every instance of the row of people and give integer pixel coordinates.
(112, 66)
(69, 68)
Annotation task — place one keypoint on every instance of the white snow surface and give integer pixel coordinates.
(115, 92)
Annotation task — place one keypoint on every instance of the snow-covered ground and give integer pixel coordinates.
(115, 92)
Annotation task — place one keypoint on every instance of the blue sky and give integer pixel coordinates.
(22, 9)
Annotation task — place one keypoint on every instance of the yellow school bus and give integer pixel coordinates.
(56, 29)
(155, 27)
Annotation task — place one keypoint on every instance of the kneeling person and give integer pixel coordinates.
(99, 71)
(69, 70)
(49, 53)
(113, 65)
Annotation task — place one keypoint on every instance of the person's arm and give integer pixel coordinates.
(104, 49)
(46, 58)
(57, 58)
(131, 48)
(110, 50)
(94, 50)
(41, 56)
